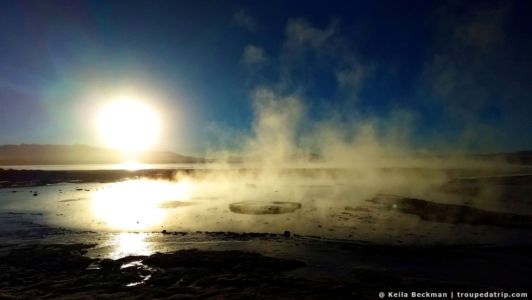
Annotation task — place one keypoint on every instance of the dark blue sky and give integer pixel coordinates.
(461, 72)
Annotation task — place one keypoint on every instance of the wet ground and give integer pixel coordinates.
(135, 238)
(242, 266)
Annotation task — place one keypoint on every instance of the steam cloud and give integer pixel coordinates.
(343, 174)
(348, 172)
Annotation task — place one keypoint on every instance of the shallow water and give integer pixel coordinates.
(337, 225)
(122, 166)
(337, 211)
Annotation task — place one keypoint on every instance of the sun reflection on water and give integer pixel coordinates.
(136, 205)
(127, 243)
(132, 165)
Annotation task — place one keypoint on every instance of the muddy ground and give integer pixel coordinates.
(62, 271)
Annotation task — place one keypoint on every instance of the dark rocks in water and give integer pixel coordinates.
(236, 261)
(264, 207)
(454, 213)
(512, 191)
(54, 258)
(109, 265)
(35, 194)
(506, 185)
(286, 233)
(62, 272)
(164, 231)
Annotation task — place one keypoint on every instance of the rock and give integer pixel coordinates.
(286, 233)
(454, 213)
(221, 261)
(108, 265)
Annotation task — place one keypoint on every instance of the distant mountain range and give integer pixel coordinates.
(34, 154)
(520, 157)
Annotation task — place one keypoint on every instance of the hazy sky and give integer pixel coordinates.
(460, 71)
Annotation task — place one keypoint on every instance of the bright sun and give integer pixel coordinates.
(129, 125)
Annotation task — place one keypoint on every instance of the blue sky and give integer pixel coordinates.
(461, 72)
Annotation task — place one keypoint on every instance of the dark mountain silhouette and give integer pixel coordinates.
(38, 154)
(35, 154)
(521, 157)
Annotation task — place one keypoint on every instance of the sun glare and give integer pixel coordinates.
(136, 204)
(127, 243)
(132, 165)
(129, 125)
